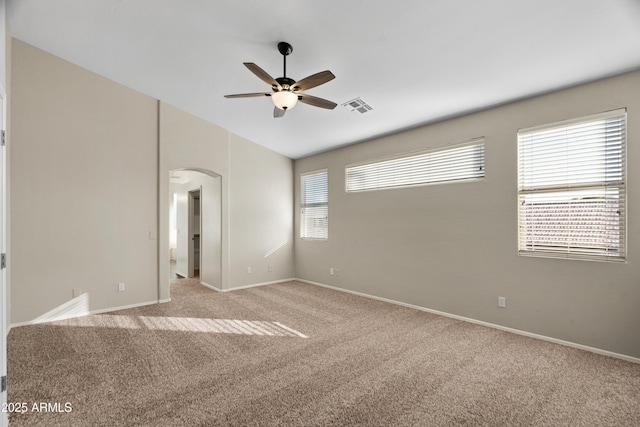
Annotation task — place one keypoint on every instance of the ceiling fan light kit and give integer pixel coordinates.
(286, 92)
(284, 99)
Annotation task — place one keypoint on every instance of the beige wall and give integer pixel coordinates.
(188, 142)
(256, 198)
(453, 247)
(211, 231)
(90, 165)
(4, 45)
(261, 214)
(83, 187)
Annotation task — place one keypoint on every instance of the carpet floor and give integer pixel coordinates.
(295, 354)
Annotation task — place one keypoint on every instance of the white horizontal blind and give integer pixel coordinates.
(571, 188)
(314, 204)
(459, 163)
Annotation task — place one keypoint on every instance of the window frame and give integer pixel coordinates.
(398, 164)
(574, 196)
(304, 235)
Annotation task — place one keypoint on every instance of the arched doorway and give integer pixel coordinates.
(195, 226)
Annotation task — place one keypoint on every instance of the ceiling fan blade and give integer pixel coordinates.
(316, 102)
(278, 112)
(248, 95)
(262, 74)
(313, 80)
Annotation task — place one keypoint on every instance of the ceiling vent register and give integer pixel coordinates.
(358, 105)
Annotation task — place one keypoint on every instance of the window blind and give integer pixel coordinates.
(459, 163)
(571, 188)
(314, 203)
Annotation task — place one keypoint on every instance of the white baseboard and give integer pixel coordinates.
(206, 285)
(255, 285)
(483, 323)
(99, 311)
(237, 288)
(124, 307)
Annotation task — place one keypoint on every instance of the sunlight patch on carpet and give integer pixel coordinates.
(187, 324)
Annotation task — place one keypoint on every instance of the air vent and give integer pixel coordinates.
(357, 105)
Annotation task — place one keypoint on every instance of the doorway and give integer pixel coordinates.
(195, 226)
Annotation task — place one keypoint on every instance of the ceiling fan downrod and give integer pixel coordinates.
(285, 49)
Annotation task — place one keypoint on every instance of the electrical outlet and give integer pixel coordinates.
(248, 270)
(121, 287)
(502, 302)
(331, 271)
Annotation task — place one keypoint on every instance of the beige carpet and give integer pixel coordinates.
(295, 354)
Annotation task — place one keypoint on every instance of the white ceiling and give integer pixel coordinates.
(414, 61)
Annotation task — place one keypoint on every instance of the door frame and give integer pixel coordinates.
(164, 242)
(4, 418)
(192, 226)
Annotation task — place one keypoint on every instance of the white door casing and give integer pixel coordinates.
(182, 242)
(3, 271)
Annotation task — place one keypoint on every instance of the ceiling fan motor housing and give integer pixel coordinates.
(284, 82)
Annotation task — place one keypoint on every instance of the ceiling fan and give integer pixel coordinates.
(286, 91)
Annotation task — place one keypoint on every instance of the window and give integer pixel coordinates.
(314, 204)
(460, 163)
(571, 188)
